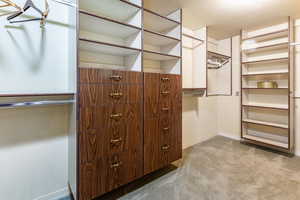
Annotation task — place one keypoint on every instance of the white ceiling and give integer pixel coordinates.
(226, 17)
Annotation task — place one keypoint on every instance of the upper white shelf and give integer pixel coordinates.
(158, 23)
(283, 45)
(119, 10)
(150, 55)
(269, 36)
(100, 25)
(105, 48)
(286, 59)
(158, 39)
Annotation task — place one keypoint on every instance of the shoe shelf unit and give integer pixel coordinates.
(129, 90)
(267, 116)
(218, 65)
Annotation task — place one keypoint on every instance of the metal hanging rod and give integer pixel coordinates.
(295, 44)
(68, 3)
(36, 103)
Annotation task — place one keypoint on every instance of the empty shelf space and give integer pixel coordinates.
(99, 24)
(266, 141)
(223, 56)
(269, 36)
(106, 48)
(158, 39)
(118, 10)
(160, 24)
(266, 61)
(284, 45)
(276, 125)
(151, 55)
(267, 106)
(280, 73)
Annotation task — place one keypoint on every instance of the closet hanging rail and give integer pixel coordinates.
(35, 103)
(295, 44)
(68, 3)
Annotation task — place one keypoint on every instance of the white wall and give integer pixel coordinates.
(199, 113)
(34, 143)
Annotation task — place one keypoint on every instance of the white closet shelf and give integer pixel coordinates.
(158, 39)
(158, 23)
(266, 61)
(267, 106)
(255, 88)
(269, 36)
(283, 45)
(266, 141)
(106, 48)
(119, 10)
(151, 55)
(280, 73)
(100, 25)
(264, 123)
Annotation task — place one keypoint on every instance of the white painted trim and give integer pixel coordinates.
(229, 136)
(54, 195)
(297, 153)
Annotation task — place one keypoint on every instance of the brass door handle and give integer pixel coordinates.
(165, 109)
(116, 165)
(165, 79)
(116, 95)
(115, 141)
(116, 116)
(165, 92)
(165, 147)
(116, 77)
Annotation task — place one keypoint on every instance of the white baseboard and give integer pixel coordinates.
(54, 195)
(230, 136)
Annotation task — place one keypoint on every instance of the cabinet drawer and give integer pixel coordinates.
(108, 173)
(105, 94)
(92, 75)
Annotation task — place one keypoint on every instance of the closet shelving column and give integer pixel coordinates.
(162, 54)
(267, 113)
(110, 135)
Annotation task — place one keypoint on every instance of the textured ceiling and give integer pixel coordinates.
(226, 17)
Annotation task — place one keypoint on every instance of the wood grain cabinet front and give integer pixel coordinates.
(111, 130)
(162, 120)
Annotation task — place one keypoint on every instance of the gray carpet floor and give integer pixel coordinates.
(223, 169)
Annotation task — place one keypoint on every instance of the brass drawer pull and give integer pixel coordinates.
(115, 141)
(116, 95)
(166, 128)
(116, 116)
(116, 165)
(165, 92)
(116, 77)
(165, 109)
(165, 147)
(165, 79)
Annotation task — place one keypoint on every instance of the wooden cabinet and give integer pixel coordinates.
(162, 120)
(111, 135)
